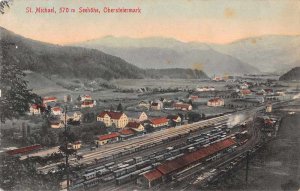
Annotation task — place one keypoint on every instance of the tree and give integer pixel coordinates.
(191, 102)
(120, 107)
(15, 96)
(4, 4)
(89, 117)
(193, 117)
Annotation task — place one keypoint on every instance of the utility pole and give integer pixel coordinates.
(66, 149)
(247, 165)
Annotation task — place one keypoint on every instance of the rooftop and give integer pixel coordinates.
(182, 105)
(126, 132)
(49, 98)
(108, 136)
(111, 114)
(157, 121)
(215, 100)
(133, 124)
(131, 114)
(190, 158)
(152, 175)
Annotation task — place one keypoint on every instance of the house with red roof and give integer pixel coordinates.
(136, 126)
(56, 110)
(85, 97)
(49, 99)
(245, 92)
(87, 104)
(183, 106)
(193, 97)
(107, 138)
(126, 133)
(215, 102)
(159, 122)
(116, 118)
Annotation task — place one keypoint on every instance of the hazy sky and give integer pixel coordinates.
(216, 21)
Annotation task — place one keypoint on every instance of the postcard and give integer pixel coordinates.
(149, 95)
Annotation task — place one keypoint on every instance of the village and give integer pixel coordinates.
(93, 125)
(99, 130)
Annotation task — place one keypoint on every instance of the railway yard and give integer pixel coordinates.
(126, 165)
(187, 157)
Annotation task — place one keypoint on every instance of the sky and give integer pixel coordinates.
(211, 21)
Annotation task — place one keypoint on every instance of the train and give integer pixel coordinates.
(23, 150)
(130, 169)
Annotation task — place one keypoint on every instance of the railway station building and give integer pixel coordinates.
(165, 171)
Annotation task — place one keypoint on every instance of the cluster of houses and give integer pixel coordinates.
(58, 116)
(131, 124)
(158, 105)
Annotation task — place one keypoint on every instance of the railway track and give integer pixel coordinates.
(155, 137)
(219, 163)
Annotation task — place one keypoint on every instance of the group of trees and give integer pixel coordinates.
(49, 139)
(15, 95)
(195, 117)
(88, 132)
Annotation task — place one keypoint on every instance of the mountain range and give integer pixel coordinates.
(270, 53)
(292, 75)
(158, 53)
(74, 62)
